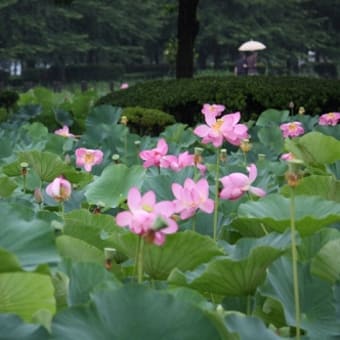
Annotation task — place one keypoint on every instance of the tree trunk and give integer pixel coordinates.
(187, 29)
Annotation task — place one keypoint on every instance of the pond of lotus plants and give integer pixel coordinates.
(227, 230)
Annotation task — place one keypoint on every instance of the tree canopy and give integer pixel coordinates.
(139, 31)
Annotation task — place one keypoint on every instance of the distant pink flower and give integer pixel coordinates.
(292, 129)
(237, 183)
(192, 196)
(124, 86)
(87, 158)
(212, 109)
(153, 157)
(331, 118)
(287, 156)
(64, 131)
(60, 189)
(177, 163)
(147, 218)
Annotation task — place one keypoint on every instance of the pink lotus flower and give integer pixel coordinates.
(147, 218)
(87, 158)
(177, 163)
(154, 156)
(287, 156)
(124, 86)
(224, 128)
(213, 110)
(236, 184)
(235, 133)
(331, 118)
(60, 189)
(292, 129)
(192, 196)
(65, 132)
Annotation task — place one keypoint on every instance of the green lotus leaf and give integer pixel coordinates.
(238, 273)
(26, 293)
(88, 227)
(7, 186)
(271, 138)
(36, 131)
(103, 114)
(78, 250)
(179, 135)
(325, 186)
(134, 312)
(13, 328)
(312, 213)
(249, 327)
(326, 263)
(46, 165)
(112, 186)
(311, 245)
(272, 117)
(84, 279)
(314, 148)
(183, 250)
(270, 311)
(29, 237)
(318, 315)
(8, 263)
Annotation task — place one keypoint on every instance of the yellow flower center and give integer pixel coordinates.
(292, 127)
(217, 125)
(89, 158)
(147, 208)
(331, 115)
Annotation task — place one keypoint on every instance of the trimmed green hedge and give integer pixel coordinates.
(147, 121)
(249, 95)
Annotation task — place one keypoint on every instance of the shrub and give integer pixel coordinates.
(251, 95)
(8, 99)
(147, 121)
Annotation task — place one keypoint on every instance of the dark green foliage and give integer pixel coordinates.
(8, 99)
(249, 95)
(74, 73)
(147, 121)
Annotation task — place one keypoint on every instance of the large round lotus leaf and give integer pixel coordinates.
(249, 327)
(179, 134)
(271, 116)
(240, 272)
(9, 262)
(103, 114)
(311, 245)
(312, 213)
(7, 186)
(315, 148)
(326, 264)
(183, 250)
(318, 314)
(325, 186)
(26, 293)
(89, 227)
(30, 238)
(134, 312)
(84, 278)
(78, 250)
(13, 328)
(112, 186)
(47, 165)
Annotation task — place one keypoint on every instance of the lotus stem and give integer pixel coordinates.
(140, 261)
(217, 174)
(295, 263)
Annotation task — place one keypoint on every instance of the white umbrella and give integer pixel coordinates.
(252, 45)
